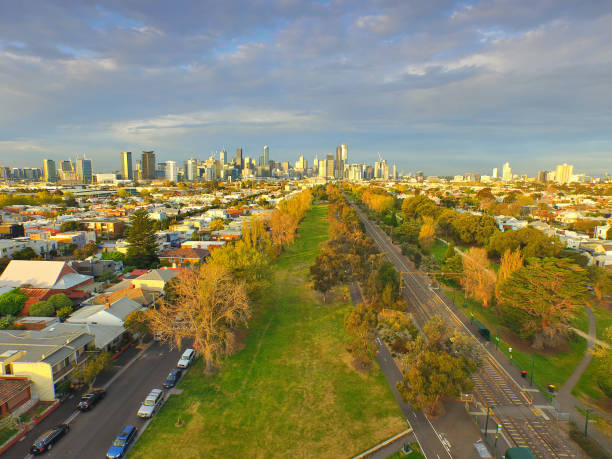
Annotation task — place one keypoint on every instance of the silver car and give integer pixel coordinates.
(151, 403)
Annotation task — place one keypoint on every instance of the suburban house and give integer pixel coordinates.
(78, 238)
(106, 228)
(15, 391)
(225, 235)
(156, 279)
(184, 256)
(140, 295)
(105, 314)
(46, 357)
(41, 247)
(41, 279)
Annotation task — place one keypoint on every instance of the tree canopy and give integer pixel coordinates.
(11, 303)
(142, 244)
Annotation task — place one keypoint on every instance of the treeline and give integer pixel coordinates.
(208, 305)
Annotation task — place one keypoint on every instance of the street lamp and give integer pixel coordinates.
(487, 421)
(510, 352)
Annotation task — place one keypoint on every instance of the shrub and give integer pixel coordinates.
(12, 302)
(42, 309)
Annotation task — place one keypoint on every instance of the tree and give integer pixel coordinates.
(542, 298)
(60, 300)
(137, 323)
(244, 262)
(71, 225)
(142, 244)
(510, 262)
(427, 234)
(63, 312)
(88, 250)
(478, 279)
(89, 371)
(115, 256)
(436, 367)
(603, 370)
(25, 254)
(283, 226)
(208, 306)
(530, 241)
(601, 281)
(11, 303)
(216, 225)
(42, 309)
(328, 271)
(4, 261)
(123, 193)
(360, 324)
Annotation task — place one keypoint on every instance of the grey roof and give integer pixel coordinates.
(49, 345)
(159, 274)
(104, 334)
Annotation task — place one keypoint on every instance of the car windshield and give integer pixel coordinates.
(149, 403)
(119, 442)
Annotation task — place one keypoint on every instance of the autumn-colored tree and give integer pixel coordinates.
(427, 234)
(510, 262)
(435, 365)
(328, 271)
(89, 371)
(245, 262)
(137, 323)
(541, 299)
(209, 304)
(283, 226)
(601, 281)
(216, 224)
(360, 325)
(254, 234)
(478, 280)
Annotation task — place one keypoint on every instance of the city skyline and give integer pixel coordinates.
(441, 87)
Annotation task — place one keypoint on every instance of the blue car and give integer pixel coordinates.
(122, 443)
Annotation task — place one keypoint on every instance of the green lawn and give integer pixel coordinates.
(291, 392)
(603, 318)
(548, 369)
(415, 454)
(438, 251)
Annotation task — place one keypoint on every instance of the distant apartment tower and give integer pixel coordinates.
(66, 166)
(495, 174)
(266, 155)
(238, 158)
(223, 157)
(507, 172)
(126, 165)
(338, 172)
(563, 173)
(394, 172)
(49, 171)
(542, 176)
(84, 172)
(344, 148)
(171, 171)
(148, 165)
(191, 169)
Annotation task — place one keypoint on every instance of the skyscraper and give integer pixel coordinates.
(191, 169)
(223, 157)
(238, 159)
(148, 165)
(171, 171)
(266, 155)
(339, 164)
(495, 175)
(84, 172)
(563, 173)
(126, 165)
(49, 171)
(344, 152)
(507, 172)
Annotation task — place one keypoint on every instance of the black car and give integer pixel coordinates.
(46, 441)
(172, 378)
(89, 399)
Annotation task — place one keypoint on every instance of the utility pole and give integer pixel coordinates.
(487, 422)
(586, 421)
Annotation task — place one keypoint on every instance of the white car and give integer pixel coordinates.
(186, 358)
(151, 403)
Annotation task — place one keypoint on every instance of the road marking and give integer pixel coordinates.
(74, 414)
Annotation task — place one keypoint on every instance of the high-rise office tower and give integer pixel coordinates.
(266, 155)
(49, 171)
(339, 164)
(84, 172)
(148, 165)
(563, 173)
(394, 172)
(507, 172)
(66, 166)
(542, 176)
(171, 171)
(191, 169)
(495, 175)
(223, 157)
(126, 165)
(238, 159)
(344, 152)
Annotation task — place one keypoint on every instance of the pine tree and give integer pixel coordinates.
(142, 244)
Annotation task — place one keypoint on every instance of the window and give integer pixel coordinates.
(8, 369)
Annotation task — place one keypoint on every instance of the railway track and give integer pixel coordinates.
(493, 386)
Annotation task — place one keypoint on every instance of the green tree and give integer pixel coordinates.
(603, 354)
(437, 365)
(59, 301)
(4, 261)
(86, 251)
(601, 281)
(25, 254)
(328, 271)
(42, 309)
(63, 312)
(71, 225)
(11, 303)
(542, 297)
(360, 325)
(89, 371)
(137, 323)
(244, 262)
(142, 244)
(115, 256)
(123, 193)
(530, 241)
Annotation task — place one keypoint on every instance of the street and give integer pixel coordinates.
(91, 433)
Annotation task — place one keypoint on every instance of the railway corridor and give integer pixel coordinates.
(495, 391)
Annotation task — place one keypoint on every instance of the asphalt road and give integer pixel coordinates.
(91, 433)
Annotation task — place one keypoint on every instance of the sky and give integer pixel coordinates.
(440, 86)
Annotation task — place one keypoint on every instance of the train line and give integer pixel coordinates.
(493, 385)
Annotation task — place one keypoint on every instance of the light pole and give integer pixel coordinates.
(510, 352)
(586, 421)
(487, 421)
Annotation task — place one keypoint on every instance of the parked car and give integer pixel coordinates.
(122, 443)
(173, 378)
(46, 441)
(89, 399)
(186, 358)
(151, 403)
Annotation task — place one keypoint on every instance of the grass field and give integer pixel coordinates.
(291, 392)
(548, 368)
